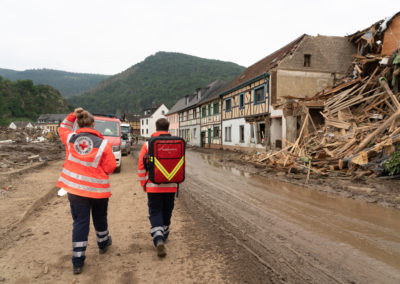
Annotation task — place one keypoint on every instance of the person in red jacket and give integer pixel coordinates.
(160, 196)
(89, 160)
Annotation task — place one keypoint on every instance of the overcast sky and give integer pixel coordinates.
(107, 37)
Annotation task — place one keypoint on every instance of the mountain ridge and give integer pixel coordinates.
(163, 77)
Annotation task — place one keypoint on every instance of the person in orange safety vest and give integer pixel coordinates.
(160, 197)
(89, 160)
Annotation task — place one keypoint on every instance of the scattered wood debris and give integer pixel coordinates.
(361, 119)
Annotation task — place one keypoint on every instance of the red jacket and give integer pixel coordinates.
(143, 175)
(89, 160)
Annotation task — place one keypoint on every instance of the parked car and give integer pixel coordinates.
(126, 138)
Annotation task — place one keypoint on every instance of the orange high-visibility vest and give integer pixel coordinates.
(88, 162)
(143, 175)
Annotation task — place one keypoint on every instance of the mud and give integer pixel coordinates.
(300, 235)
(36, 226)
(383, 191)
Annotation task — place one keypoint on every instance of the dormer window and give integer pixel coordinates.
(307, 60)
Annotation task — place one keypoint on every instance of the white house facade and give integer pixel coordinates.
(148, 121)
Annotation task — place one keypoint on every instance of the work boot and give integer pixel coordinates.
(161, 251)
(77, 269)
(104, 249)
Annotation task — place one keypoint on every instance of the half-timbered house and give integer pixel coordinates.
(210, 109)
(297, 70)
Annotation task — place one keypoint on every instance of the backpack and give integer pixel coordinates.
(165, 160)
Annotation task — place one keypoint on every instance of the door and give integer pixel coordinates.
(209, 136)
(202, 138)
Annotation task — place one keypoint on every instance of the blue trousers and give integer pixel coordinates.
(80, 210)
(160, 212)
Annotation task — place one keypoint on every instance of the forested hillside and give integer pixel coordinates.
(161, 78)
(67, 83)
(22, 100)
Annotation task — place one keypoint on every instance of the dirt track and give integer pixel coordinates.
(228, 227)
(35, 235)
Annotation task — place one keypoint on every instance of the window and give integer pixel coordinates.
(147, 131)
(259, 96)
(142, 122)
(209, 110)
(241, 133)
(216, 132)
(194, 132)
(163, 112)
(307, 60)
(241, 101)
(147, 121)
(142, 131)
(228, 104)
(194, 113)
(252, 131)
(228, 133)
(216, 108)
(203, 112)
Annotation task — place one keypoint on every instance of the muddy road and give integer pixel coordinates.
(229, 226)
(299, 235)
(35, 239)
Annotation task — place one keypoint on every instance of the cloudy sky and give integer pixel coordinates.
(107, 37)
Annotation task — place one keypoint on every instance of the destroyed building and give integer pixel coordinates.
(298, 70)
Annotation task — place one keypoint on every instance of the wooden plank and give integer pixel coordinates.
(389, 91)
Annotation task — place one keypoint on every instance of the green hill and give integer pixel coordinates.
(161, 78)
(22, 100)
(67, 83)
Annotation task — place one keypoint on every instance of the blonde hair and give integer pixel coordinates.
(84, 118)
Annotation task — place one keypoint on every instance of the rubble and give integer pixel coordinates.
(23, 147)
(360, 113)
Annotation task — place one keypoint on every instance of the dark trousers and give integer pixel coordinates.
(80, 210)
(160, 212)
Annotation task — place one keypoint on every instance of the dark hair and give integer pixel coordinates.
(162, 124)
(84, 118)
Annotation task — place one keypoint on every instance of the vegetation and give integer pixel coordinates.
(22, 100)
(67, 83)
(161, 78)
(392, 165)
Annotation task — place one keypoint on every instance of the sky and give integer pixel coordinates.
(108, 37)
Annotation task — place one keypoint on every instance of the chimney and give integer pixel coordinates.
(186, 100)
(198, 90)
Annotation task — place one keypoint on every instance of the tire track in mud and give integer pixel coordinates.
(286, 248)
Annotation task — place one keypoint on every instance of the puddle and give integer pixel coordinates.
(371, 229)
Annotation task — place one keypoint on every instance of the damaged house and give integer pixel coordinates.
(250, 118)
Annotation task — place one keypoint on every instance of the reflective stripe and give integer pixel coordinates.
(154, 229)
(83, 187)
(166, 229)
(142, 178)
(96, 161)
(141, 171)
(100, 240)
(78, 253)
(79, 244)
(158, 233)
(67, 127)
(168, 175)
(102, 233)
(85, 178)
(66, 121)
(150, 184)
(147, 145)
(69, 138)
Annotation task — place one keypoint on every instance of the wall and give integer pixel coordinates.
(391, 37)
(173, 123)
(301, 84)
(235, 134)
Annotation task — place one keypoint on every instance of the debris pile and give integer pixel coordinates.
(361, 117)
(23, 147)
